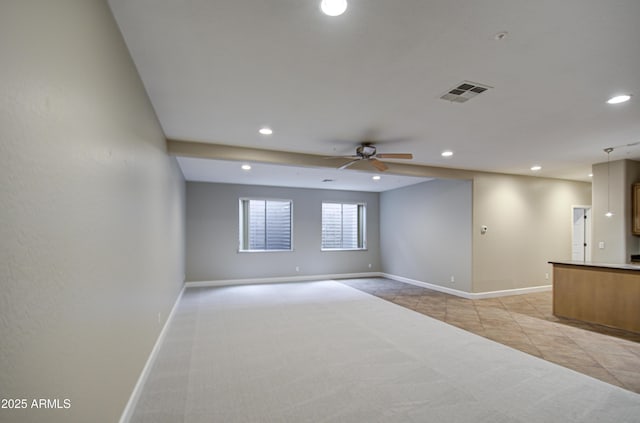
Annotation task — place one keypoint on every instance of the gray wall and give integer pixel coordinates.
(212, 234)
(91, 214)
(431, 231)
(426, 232)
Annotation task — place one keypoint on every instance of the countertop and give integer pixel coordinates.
(635, 267)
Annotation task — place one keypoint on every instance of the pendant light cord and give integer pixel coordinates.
(608, 151)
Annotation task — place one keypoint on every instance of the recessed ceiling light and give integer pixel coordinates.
(536, 168)
(333, 7)
(447, 153)
(376, 177)
(246, 167)
(266, 131)
(619, 99)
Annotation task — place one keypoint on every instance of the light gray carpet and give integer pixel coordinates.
(324, 352)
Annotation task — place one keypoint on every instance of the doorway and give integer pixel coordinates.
(581, 233)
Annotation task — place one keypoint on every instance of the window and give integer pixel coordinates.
(265, 225)
(343, 226)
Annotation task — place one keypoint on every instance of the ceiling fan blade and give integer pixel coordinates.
(349, 163)
(378, 164)
(394, 156)
(341, 157)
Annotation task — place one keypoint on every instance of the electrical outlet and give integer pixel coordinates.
(297, 268)
(453, 279)
(369, 265)
(546, 276)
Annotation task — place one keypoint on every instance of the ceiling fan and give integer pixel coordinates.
(367, 151)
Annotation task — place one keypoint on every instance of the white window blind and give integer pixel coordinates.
(265, 225)
(343, 226)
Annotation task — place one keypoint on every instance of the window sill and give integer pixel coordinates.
(343, 249)
(265, 251)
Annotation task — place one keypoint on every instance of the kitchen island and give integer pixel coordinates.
(606, 294)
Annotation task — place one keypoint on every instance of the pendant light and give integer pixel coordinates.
(608, 150)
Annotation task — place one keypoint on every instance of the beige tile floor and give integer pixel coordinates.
(525, 322)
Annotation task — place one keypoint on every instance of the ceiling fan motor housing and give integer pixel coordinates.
(366, 151)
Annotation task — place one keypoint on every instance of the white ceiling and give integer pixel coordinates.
(196, 169)
(216, 71)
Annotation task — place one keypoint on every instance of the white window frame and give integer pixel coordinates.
(242, 227)
(362, 221)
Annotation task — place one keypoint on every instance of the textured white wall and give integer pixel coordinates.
(612, 185)
(212, 234)
(91, 214)
(529, 223)
(610, 230)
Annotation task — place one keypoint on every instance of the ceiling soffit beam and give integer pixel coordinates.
(183, 148)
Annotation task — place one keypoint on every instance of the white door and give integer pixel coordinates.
(581, 234)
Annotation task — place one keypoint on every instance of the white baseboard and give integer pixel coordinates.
(137, 390)
(428, 285)
(469, 295)
(306, 278)
(456, 292)
(508, 292)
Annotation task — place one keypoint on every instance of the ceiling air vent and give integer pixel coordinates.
(464, 91)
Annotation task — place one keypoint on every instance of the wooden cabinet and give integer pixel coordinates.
(596, 294)
(635, 215)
